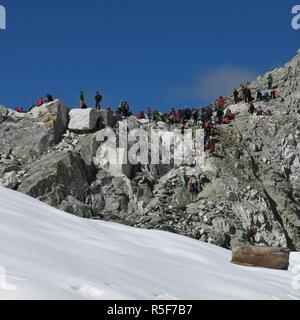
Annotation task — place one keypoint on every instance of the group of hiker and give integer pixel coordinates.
(186, 117)
(245, 94)
(174, 117)
(98, 99)
(124, 110)
(39, 103)
(206, 118)
(220, 114)
(195, 187)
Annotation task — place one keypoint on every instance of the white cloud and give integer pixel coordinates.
(221, 81)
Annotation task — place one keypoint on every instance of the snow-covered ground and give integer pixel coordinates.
(48, 254)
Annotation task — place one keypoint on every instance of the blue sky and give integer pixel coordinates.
(162, 53)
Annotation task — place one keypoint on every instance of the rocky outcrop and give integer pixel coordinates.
(9, 180)
(262, 257)
(108, 119)
(26, 137)
(63, 174)
(75, 207)
(251, 182)
(54, 114)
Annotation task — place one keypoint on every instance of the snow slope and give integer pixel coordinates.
(48, 254)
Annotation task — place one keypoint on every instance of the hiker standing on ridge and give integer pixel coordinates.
(194, 187)
(274, 94)
(49, 98)
(220, 109)
(249, 95)
(270, 82)
(98, 99)
(243, 90)
(126, 112)
(236, 96)
(221, 102)
(259, 96)
(82, 102)
(141, 115)
(149, 113)
(251, 109)
(40, 102)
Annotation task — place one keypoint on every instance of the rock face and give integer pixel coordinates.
(26, 137)
(108, 119)
(251, 183)
(53, 114)
(83, 120)
(9, 180)
(270, 258)
(63, 174)
(3, 113)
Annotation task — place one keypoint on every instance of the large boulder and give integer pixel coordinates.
(83, 120)
(75, 207)
(97, 204)
(263, 257)
(182, 197)
(56, 176)
(25, 140)
(55, 114)
(27, 136)
(9, 180)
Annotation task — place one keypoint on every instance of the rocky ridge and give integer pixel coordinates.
(251, 181)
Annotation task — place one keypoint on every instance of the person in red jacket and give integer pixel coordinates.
(182, 121)
(20, 110)
(141, 115)
(274, 94)
(40, 102)
(221, 102)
